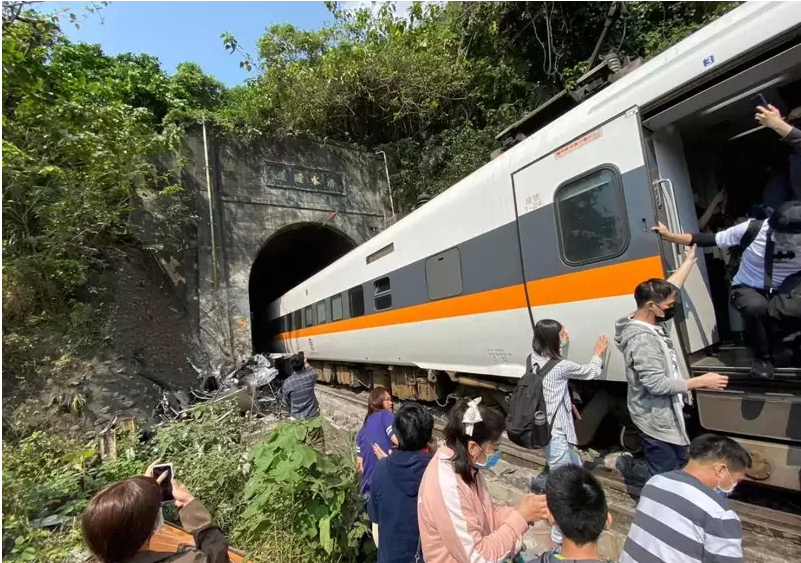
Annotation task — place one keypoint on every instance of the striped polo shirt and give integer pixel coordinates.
(681, 520)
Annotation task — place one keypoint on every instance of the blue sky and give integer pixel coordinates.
(188, 31)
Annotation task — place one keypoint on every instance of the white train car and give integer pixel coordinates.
(559, 227)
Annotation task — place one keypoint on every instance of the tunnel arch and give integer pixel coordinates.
(289, 256)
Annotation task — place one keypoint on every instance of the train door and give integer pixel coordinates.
(675, 207)
(584, 219)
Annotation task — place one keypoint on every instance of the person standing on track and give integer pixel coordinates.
(396, 483)
(298, 390)
(685, 515)
(657, 390)
(549, 336)
(375, 437)
(459, 522)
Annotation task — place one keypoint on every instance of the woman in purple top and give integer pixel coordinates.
(376, 431)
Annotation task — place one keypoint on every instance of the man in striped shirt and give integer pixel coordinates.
(684, 516)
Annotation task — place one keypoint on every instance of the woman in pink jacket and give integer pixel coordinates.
(458, 521)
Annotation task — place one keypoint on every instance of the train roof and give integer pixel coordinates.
(708, 53)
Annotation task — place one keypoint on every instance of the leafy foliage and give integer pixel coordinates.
(81, 132)
(301, 504)
(280, 499)
(433, 87)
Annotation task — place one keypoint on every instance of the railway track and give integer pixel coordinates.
(764, 527)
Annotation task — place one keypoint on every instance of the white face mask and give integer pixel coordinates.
(725, 492)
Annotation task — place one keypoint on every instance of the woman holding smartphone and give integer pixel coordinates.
(122, 518)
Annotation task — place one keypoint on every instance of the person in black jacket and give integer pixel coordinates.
(396, 481)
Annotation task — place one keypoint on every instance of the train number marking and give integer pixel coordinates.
(499, 355)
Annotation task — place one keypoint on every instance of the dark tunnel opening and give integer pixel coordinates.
(289, 257)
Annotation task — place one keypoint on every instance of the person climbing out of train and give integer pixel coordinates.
(396, 483)
(458, 520)
(376, 436)
(766, 288)
(790, 134)
(550, 338)
(657, 390)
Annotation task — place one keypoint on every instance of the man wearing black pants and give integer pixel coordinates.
(765, 288)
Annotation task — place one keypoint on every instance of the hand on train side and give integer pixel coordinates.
(708, 381)
(661, 230)
(601, 345)
(690, 254)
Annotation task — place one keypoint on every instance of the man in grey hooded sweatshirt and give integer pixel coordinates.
(657, 389)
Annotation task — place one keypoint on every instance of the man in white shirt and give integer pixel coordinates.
(775, 248)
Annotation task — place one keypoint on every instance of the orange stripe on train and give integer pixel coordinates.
(596, 283)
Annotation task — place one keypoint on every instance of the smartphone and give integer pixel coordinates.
(536, 484)
(759, 100)
(166, 485)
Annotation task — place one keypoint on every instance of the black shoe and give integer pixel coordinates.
(762, 369)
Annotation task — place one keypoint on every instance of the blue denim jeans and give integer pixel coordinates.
(558, 453)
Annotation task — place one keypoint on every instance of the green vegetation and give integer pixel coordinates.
(252, 492)
(83, 131)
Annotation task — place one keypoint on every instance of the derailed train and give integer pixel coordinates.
(559, 226)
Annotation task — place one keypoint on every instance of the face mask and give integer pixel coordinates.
(491, 460)
(564, 339)
(669, 312)
(725, 492)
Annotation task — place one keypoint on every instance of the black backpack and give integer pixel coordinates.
(527, 422)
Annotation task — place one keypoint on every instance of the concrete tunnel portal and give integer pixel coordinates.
(290, 256)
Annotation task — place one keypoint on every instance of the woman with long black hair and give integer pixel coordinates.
(550, 339)
(458, 520)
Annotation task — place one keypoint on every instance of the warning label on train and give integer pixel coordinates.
(578, 143)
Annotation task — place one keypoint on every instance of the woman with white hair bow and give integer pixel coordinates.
(458, 520)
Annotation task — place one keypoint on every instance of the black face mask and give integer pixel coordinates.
(669, 312)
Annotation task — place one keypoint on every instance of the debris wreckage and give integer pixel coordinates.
(254, 386)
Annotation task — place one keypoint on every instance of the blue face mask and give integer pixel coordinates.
(491, 460)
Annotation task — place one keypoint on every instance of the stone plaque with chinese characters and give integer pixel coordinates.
(299, 178)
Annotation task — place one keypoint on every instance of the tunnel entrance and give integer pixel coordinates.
(289, 256)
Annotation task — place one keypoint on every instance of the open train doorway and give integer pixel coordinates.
(290, 256)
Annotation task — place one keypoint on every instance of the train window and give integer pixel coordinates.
(320, 312)
(591, 218)
(297, 320)
(308, 315)
(444, 274)
(382, 292)
(356, 301)
(284, 323)
(336, 307)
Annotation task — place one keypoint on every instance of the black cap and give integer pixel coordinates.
(786, 218)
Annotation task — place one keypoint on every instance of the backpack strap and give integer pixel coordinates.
(751, 232)
(529, 364)
(549, 365)
(768, 274)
